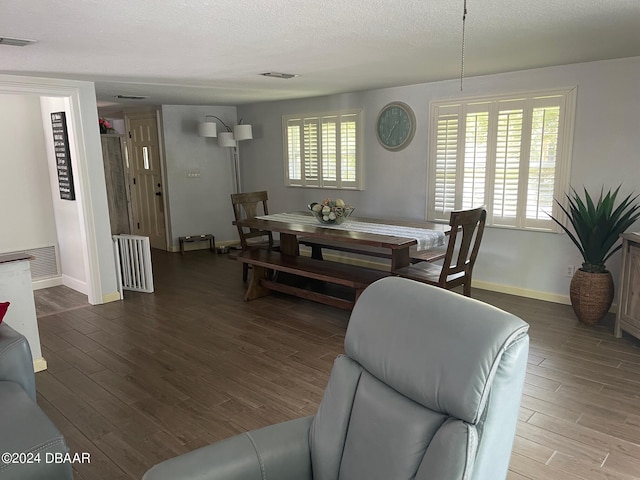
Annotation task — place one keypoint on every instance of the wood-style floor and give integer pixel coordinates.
(156, 375)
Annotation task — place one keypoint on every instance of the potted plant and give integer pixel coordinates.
(596, 229)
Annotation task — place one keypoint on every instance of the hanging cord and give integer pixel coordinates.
(464, 19)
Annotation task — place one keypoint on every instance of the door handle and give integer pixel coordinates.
(159, 194)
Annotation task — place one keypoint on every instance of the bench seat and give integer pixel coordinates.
(262, 282)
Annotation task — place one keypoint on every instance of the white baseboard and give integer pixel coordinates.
(47, 282)
(75, 284)
(39, 364)
(521, 292)
(111, 297)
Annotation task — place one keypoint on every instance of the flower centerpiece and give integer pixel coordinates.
(330, 211)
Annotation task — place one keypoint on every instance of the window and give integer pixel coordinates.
(508, 153)
(323, 150)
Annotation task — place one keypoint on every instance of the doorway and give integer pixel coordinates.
(93, 246)
(144, 172)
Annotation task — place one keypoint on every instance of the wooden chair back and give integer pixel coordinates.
(250, 205)
(470, 224)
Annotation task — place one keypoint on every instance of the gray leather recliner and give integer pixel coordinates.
(429, 388)
(25, 430)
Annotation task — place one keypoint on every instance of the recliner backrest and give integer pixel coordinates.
(429, 377)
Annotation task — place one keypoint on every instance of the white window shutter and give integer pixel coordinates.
(323, 150)
(294, 151)
(445, 141)
(311, 154)
(507, 166)
(511, 154)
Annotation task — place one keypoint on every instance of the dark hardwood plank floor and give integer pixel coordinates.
(156, 375)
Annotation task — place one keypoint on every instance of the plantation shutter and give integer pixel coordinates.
(294, 151)
(476, 148)
(323, 150)
(508, 147)
(510, 154)
(329, 151)
(348, 151)
(445, 150)
(543, 161)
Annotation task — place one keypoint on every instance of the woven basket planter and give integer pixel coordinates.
(591, 295)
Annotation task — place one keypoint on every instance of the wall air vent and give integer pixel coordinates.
(16, 42)
(131, 97)
(279, 75)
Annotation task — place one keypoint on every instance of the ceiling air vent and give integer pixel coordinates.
(15, 42)
(279, 75)
(131, 97)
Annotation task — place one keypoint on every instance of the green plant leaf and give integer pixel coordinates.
(597, 225)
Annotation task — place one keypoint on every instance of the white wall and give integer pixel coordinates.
(605, 152)
(201, 204)
(26, 215)
(68, 216)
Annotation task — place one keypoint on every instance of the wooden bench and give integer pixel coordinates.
(415, 255)
(262, 281)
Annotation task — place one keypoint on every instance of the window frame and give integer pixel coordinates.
(461, 107)
(319, 163)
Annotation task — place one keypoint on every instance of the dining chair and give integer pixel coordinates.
(460, 255)
(249, 205)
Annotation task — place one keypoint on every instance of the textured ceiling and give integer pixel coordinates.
(212, 51)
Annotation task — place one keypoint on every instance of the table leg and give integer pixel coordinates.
(254, 289)
(289, 244)
(400, 258)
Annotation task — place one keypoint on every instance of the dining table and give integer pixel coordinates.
(395, 236)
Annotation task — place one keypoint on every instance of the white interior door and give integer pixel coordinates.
(146, 180)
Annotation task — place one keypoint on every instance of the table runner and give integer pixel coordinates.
(426, 238)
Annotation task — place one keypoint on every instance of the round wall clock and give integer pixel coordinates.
(395, 126)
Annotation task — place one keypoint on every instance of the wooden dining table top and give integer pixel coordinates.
(359, 238)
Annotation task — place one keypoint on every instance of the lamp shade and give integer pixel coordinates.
(225, 139)
(207, 129)
(242, 132)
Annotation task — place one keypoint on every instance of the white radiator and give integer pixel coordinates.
(133, 262)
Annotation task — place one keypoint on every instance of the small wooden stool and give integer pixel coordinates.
(198, 238)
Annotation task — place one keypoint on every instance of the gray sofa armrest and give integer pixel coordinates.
(16, 364)
(278, 451)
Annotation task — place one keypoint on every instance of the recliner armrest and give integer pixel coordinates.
(278, 451)
(16, 364)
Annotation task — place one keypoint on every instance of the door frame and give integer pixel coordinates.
(130, 114)
(89, 179)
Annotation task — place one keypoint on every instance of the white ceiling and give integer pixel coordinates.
(211, 52)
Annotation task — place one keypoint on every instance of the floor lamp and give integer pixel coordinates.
(229, 139)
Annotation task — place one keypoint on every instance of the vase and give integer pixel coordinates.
(591, 295)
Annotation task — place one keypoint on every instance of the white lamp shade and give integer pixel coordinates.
(207, 129)
(225, 139)
(242, 132)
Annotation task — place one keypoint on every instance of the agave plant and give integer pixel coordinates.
(598, 225)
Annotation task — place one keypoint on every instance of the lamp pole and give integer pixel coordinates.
(236, 167)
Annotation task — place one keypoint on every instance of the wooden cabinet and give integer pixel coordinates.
(628, 317)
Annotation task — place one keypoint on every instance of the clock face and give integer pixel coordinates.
(396, 126)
